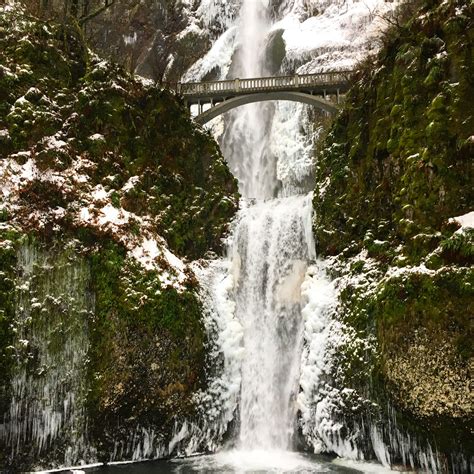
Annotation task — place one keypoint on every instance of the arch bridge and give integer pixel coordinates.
(322, 90)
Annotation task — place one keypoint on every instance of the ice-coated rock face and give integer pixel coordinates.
(303, 36)
(162, 40)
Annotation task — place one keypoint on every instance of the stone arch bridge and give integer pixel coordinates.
(322, 90)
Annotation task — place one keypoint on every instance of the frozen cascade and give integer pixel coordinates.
(270, 249)
(47, 410)
(272, 245)
(253, 299)
(269, 252)
(245, 142)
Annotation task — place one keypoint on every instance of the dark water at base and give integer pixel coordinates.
(233, 462)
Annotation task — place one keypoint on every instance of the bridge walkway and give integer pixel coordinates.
(236, 92)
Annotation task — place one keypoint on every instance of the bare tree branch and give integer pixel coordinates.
(85, 19)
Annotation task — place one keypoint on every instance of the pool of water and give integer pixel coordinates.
(230, 462)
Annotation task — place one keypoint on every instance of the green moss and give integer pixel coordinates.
(403, 135)
(139, 325)
(459, 247)
(395, 167)
(91, 123)
(127, 129)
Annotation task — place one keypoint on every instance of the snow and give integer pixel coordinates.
(396, 272)
(191, 29)
(53, 142)
(22, 102)
(96, 137)
(84, 214)
(8, 6)
(466, 220)
(294, 151)
(220, 55)
(173, 260)
(212, 12)
(146, 253)
(130, 40)
(348, 31)
(29, 170)
(131, 183)
(335, 38)
(99, 193)
(92, 208)
(113, 215)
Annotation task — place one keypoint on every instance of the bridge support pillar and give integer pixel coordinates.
(337, 96)
(200, 107)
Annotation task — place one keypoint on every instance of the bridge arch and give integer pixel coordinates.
(238, 101)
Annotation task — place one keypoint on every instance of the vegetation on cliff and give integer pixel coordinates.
(92, 155)
(394, 185)
(158, 39)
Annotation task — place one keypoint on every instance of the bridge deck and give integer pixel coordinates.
(199, 92)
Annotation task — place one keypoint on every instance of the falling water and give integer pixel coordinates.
(270, 250)
(272, 245)
(245, 142)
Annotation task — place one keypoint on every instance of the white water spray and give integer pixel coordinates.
(272, 245)
(245, 142)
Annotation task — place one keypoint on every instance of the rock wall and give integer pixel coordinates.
(158, 39)
(392, 213)
(101, 169)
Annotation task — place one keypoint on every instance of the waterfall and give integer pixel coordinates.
(271, 247)
(285, 314)
(245, 142)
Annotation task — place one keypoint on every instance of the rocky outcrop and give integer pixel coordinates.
(158, 39)
(430, 376)
(104, 176)
(394, 172)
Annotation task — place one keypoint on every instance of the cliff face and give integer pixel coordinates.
(158, 39)
(395, 170)
(107, 190)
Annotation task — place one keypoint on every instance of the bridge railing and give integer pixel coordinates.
(264, 83)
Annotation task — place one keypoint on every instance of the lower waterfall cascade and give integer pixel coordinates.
(272, 245)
